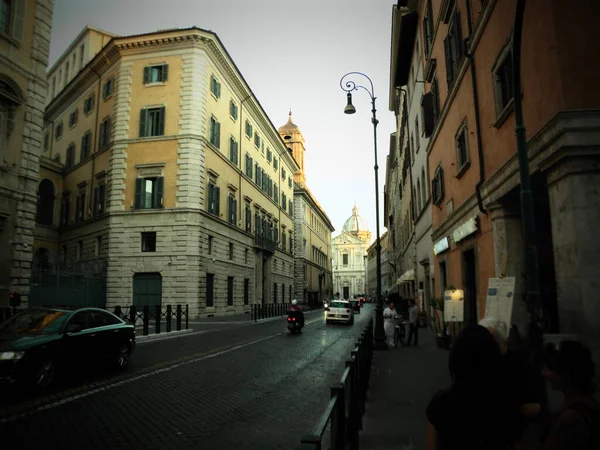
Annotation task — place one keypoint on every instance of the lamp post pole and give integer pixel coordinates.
(348, 86)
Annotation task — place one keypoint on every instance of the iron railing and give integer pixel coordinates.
(264, 243)
(343, 416)
(267, 311)
(155, 315)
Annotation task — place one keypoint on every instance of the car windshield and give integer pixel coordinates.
(340, 305)
(34, 321)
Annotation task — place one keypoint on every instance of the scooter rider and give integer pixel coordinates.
(296, 311)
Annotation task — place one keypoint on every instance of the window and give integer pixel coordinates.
(233, 151)
(269, 155)
(256, 140)
(291, 207)
(291, 243)
(215, 87)
(215, 132)
(283, 240)
(210, 290)
(453, 49)
(80, 207)
(210, 245)
(230, 251)
(88, 104)
(5, 16)
(233, 110)
(46, 136)
(503, 83)
(248, 166)
(149, 193)
(290, 182)
(276, 194)
(345, 259)
(149, 241)
(156, 74)
(258, 175)
(214, 198)
(275, 163)
(248, 129)
(82, 56)
(58, 131)
(425, 184)
(86, 141)
(283, 174)
(248, 219)
(428, 29)
(275, 289)
(229, 291)
(70, 159)
(437, 186)
(104, 135)
(246, 256)
(107, 88)
(98, 246)
(45, 203)
(283, 289)
(152, 122)
(430, 106)
(232, 206)
(246, 291)
(283, 200)
(73, 118)
(65, 214)
(462, 150)
(99, 199)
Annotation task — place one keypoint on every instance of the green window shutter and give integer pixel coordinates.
(18, 24)
(211, 196)
(139, 187)
(143, 122)
(146, 75)
(101, 136)
(218, 135)
(96, 201)
(101, 198)
(218, 90)
(217, 200)
(157, 200)
(161, 128)
(165, 72)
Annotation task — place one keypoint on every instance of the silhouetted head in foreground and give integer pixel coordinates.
(569, 367)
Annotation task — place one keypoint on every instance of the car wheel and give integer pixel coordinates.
(45, 372)
(123, 356)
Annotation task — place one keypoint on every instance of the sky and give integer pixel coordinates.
(293, 55)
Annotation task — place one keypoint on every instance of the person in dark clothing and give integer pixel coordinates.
(474, 413)
(570, 369)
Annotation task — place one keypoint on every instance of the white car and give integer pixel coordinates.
(339, 311)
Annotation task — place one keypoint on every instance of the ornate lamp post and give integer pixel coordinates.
(348, 86)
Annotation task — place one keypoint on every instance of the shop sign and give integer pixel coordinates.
(441, 246)
(466, 229)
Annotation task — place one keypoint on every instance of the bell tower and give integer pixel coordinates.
(294, 141)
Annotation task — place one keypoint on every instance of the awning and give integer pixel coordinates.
(407, 276)
(393, 289)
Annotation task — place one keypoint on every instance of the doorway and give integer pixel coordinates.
(443, 278)
(470, 283)
(147, 289)
(346, 290)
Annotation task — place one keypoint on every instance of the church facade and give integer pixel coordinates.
(350, 257)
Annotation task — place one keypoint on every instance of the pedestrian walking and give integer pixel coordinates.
(389, 323)
(474, 412)
(413, 322)
(570, 369)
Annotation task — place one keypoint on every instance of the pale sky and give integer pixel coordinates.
(292, 54)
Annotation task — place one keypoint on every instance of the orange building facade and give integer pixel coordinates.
(468, 114)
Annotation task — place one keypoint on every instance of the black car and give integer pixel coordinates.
(37, 342)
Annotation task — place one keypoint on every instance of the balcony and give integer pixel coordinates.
(264, 243)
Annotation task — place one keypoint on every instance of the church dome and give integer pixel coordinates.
(289, 128)
(355, 224)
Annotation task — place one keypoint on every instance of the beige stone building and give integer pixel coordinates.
(350, 257)
(162, 179)
(24, 47)
(387, 273)
(313, 279)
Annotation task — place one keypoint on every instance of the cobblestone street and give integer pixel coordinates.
(242, 386)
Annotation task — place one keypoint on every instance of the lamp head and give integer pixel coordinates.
(349, 109)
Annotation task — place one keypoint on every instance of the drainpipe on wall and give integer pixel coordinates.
(477, 118)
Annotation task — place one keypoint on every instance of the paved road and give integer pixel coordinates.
(249, 386)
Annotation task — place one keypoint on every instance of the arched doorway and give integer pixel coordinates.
(45, 206)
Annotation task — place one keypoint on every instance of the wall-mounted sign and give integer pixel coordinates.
(464, 230)
(441, 246)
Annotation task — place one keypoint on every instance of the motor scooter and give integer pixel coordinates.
(294, 322)
(400, 331)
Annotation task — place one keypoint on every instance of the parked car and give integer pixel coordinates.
(38, 342)
(340, 311)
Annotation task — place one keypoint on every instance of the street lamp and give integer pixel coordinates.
(348, 86)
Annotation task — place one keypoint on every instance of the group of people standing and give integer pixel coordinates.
(494, 396)
(390, 316)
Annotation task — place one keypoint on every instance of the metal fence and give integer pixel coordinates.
(342, 420)
(259, 311)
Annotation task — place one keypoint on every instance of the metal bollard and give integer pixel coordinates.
(132, 314)
(169, 317)
(187, 317)
(178, 318)
(338, 418)
(146, 320)
(354, 407)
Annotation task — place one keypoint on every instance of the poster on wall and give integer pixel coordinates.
(454, 305)
(500, 295)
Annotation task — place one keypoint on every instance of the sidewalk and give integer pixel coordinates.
(403, 380)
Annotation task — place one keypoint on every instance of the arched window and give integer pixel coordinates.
(45, 206)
